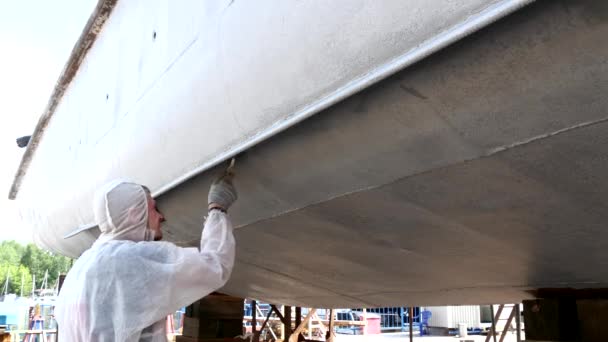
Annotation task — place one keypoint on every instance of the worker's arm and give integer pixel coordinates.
(217, 247)
(165, 277)
(181, 276)
(217, 240)
(197, 273)
(174, 277)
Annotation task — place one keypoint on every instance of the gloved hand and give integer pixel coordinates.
(222, 193)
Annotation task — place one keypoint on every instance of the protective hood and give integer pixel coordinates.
(121, 212)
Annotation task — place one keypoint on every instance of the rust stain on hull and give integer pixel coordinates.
(94, 25)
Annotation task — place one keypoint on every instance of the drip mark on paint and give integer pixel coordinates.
(413, 92)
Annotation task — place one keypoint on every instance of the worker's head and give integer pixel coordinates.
(126, 211)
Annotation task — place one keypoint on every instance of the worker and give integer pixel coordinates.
(128, 282)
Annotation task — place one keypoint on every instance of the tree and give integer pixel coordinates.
(34, 260)
(11, 252)
(16, 275)
(39, 262)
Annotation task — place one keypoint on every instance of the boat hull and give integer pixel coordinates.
(474, 176)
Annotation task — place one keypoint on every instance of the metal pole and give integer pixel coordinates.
(493, 322)
(411, 312)
(518, 322)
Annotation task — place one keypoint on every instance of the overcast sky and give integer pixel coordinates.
(36, 38)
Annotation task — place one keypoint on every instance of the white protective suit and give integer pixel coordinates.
(123, 287)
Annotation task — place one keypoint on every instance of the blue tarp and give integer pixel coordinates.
(9, 313)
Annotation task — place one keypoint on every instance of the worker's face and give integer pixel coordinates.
(155, 219)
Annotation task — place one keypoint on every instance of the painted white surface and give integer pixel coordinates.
(468, 314)
(450, 316)
(219, 77)
(440, 316)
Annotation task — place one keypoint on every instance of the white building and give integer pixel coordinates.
(474, 316)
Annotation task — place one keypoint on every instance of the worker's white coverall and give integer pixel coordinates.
(123, 287)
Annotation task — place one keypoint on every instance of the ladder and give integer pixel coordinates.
(36, 329)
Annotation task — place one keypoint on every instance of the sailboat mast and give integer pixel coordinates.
(8, 276)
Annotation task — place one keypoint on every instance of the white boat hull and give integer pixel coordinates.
(471, 177)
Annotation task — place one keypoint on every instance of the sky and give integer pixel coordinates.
(36, 38)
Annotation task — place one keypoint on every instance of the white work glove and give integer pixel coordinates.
(222, 193)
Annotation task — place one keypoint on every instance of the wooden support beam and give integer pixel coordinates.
(411, 320)
(256, 337)
(507, 325)
(493, 326)
(278, 313)
(309, 329)
(331, 326)
(323, 325)
(300, 327)
(518, 323)
(298, 316)
(287, 322)
(494, 319)
(254, 321)
(298, 320)
(283, 324)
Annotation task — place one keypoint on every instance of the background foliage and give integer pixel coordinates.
(20, 262)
